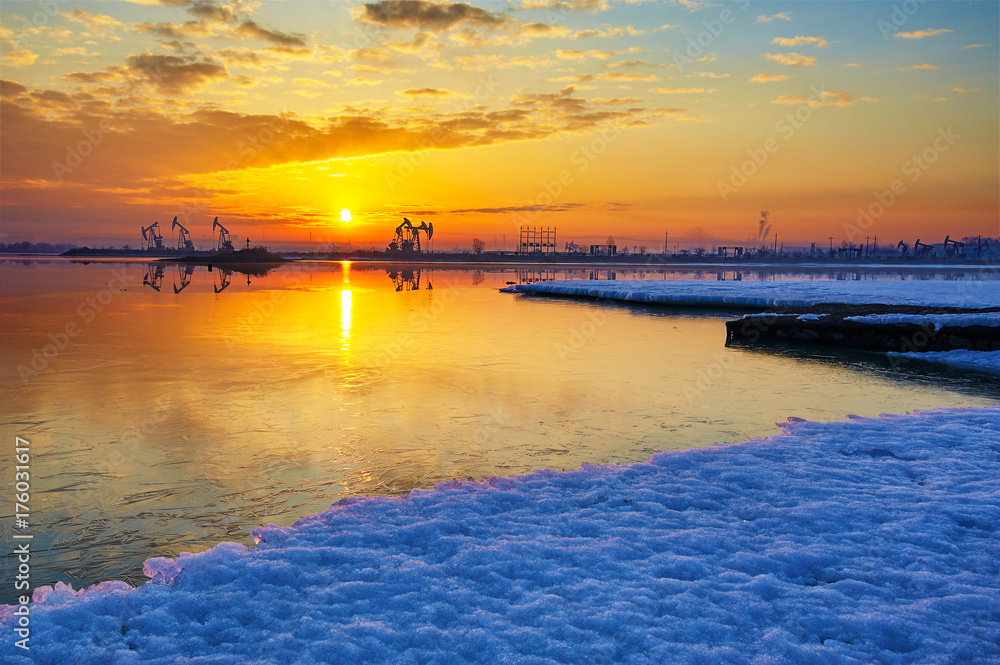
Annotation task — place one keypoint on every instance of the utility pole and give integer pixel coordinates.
(775, 243)
(666, 239)
(867, 238)
(831, 244)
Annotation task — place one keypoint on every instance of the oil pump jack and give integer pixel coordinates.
(922, 248)
(407, 239)
(953, 247)
(225, 241)
(903, 248)
(183, 237)
(151, 234)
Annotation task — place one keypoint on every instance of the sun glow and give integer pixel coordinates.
(345, 215)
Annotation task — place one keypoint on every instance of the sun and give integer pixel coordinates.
(345, 215)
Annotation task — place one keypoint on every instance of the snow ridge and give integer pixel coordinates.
(871, 540)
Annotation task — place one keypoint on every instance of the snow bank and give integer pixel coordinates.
(988, 361)
(991, 319)
(872, 540)
(974, 294)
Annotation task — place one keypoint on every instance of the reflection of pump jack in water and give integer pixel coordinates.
(184, 273)
(407, 280)
(225, 277)
(153, 276)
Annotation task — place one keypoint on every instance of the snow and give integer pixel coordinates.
(810, 317)
(988, 361)
(931, 293)
(870, 540)
(991, 319)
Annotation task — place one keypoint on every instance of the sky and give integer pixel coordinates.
(635, 119)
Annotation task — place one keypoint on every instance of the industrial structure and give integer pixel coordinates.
(536, 241)
(152, 236)
(407, 238)
(184, 242)
(225, 240)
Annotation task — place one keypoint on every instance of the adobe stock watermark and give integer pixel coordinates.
(698, 45)
(581, 334)
(900, 15)
(420, 321)
(913, 168)
(411, 161)
(86, 311)
(785, 127)
(707, 376)
(552, 190)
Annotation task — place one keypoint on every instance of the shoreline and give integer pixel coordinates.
(802, 545)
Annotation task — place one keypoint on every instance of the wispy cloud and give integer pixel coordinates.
(682, 91)
(818, 42)
(769, 78)
(966, 89)
(791, 59)
(976, 45)
(920, 34)
(925, 66)
(838, 98)
(763, 18)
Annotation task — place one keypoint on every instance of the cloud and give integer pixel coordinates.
(251, 30)
(667, 26)
(614, 77)
(607, 32)
(427, 15)
(818, 42)
(682, 91)
(767, 19)
(563, 6)
(925, 66)
(966, 89)
(310, 83)
(920, 34)
(94, 22)
(710, 75)
(838, 98)
(11, 89)
(170, 74)
(694, 5)
(262, 58)
(616, 100)
(976, 45)
(791, 59)
(73, 50)
(769, 78)
(569, 54)
(426, 92)
(624, 64)
(18, 55)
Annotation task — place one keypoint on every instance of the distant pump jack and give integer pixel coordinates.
(225, 240)
(184, 241)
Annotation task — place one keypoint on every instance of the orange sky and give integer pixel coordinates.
(599, 117)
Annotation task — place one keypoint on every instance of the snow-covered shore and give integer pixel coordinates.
(871, 540)
(745, 294)
(986, 361)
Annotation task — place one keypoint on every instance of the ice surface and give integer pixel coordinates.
(988, 361)
(991, 319)
(868, 541)
(932, 293)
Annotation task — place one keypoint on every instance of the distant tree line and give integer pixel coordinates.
(34, 247)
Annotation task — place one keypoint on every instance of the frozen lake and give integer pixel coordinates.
(165, 421)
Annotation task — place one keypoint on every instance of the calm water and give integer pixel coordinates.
(162, 422)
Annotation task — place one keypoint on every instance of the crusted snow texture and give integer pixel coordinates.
(987, 361)
(974, 294)
(989, 319)
(868, 541)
